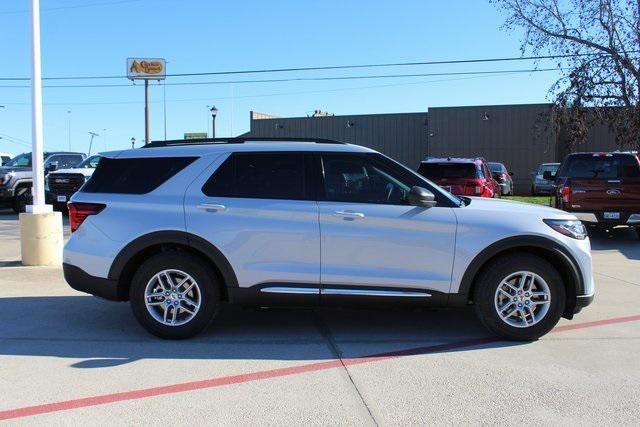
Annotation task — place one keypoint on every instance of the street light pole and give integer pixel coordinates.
(41, 236)
(146, 112)
(69, 127)
(37, 153)
(214, 113)
(93, 135)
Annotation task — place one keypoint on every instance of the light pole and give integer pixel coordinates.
(214, 113)
(69, 127)
(41, 237)
(93, 135)
(133, 143)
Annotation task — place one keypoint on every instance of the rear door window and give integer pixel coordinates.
(272, 175)
(134, 176)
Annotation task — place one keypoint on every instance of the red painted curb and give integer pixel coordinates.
(273, 373)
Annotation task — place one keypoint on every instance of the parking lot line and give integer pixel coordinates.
(275, 373)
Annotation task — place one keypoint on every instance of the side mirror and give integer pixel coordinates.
(510, 173)
(548, 175)
(422, 197)
(52, 166)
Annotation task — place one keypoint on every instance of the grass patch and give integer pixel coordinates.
(538, 200)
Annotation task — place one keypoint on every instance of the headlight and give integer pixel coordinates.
(569, 227)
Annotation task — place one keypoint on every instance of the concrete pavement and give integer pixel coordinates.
(78, 354)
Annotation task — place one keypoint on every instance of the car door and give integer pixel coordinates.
(259, 210)
(373, 241)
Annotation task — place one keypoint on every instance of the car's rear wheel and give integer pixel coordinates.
(174, 295)
(519, 297)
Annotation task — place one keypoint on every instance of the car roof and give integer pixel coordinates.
(221, 145)
(50, 153)
(453, 160)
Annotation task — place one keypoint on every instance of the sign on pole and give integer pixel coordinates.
(195, 135)
(146, 68)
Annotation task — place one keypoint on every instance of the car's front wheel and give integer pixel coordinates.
(174, 295)
(519, 296)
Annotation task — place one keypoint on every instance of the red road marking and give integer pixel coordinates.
(273, 373)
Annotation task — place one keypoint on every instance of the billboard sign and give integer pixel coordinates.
(146, 68)
(195, 135)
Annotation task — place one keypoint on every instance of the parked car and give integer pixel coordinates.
(62, 184)
(16, 176)
(462, 177)
(503, 177)
(601, 189)
(539, 184)
(4, 158)
(180, 227)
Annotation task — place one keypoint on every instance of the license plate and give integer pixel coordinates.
(62, 198)
(611, 215)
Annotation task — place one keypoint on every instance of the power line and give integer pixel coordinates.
(79, 6)
(266, 94)
(306, 79)
(326, 68)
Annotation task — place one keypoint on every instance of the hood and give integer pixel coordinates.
(82, 171)
(8, 169)
(502, 206)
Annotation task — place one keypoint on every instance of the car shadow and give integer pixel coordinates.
(622, 239)
(105, 334)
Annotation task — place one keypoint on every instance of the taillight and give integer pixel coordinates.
(78, 212)
(565, 192)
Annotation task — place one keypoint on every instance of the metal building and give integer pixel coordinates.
(520, 136)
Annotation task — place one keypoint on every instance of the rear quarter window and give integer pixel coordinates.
(134, 176)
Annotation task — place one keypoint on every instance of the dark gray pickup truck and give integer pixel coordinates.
(16, 176)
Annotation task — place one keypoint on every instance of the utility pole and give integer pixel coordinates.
(146, 112)
(93, 135)
(69, 127)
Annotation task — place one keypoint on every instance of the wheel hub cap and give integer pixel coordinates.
(522, 299)
(172, 297)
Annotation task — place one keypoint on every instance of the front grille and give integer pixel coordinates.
(65, 183)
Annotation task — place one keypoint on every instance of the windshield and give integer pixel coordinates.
(603, 167)
(448, 170)
(90, 163)
(496, 167)
(19, 161)
(547, 168)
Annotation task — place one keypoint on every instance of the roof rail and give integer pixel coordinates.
(236, 140)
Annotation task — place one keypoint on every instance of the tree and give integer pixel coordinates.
(597, 47)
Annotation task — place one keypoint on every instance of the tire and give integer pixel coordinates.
(486, 297)
(189, 320)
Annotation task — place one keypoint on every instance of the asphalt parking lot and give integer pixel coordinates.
(69, 358)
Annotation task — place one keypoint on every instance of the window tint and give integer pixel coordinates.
(134, 176)
(603, 167)
(363, 179)
(64, 161)
(260, 176)
(448, 170)
(90, 163)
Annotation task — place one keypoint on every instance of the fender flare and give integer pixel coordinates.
(561, 254)
(182, 238)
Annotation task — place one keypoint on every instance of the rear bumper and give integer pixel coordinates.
(626, 218)
(79, 280)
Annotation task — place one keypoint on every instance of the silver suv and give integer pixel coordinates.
(180, 227)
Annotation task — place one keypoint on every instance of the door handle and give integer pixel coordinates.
(212, 207)
(345, 214)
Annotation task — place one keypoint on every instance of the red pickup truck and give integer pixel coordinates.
(601, 189)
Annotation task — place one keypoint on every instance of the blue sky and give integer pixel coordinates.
(94, 37)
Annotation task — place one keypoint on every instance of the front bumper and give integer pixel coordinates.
(81, 281)
(582, 301)
(597, 218)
